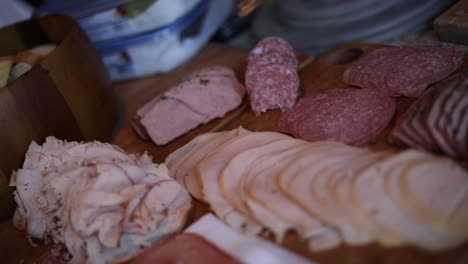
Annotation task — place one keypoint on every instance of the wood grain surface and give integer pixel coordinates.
(322, 74)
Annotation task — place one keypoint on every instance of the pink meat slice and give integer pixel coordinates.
(348, 115)
(360, 72)
(405, 71)
(169, 119)
(420, 67)
(202, 96)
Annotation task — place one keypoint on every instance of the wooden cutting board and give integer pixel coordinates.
(324, 73)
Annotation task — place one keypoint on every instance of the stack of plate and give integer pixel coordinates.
(318, 25)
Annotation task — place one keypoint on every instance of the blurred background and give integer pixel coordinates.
(171, 31)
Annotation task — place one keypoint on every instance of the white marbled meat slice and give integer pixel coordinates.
(261, 186)
(175, 158)
(232, 175)
(210, 168)
(299, 187)
(436, 193)
(372, 199)
(323, 192)
(188, 174)
(340, 189)
(182, 161)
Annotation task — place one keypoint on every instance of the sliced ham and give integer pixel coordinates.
(202, 96)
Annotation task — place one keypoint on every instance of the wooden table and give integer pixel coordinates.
(323, 74)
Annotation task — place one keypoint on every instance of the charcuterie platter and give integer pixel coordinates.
(321, 75)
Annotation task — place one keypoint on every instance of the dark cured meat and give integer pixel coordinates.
(185, 248)
(352, 116)
(420, 67)
(403, 71)
(439, 116)
(271, 76)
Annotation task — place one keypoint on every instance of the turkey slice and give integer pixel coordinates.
(210, 168)
(354, 227)
(174, 160)
(312, 164)
(261, 186)
(371, 199)
(436, 192)
(187, 169)
(321, 189)
(232, 176)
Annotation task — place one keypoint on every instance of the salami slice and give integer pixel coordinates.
(403, 71)
(352, 116)
(420, 67)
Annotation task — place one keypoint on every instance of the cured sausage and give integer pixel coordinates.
(271, 77)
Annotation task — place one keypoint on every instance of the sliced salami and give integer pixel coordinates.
(403, 71)
(352, 116)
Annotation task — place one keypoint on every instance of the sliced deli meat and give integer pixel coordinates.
(403, 71)
(331, 193)
(231, 179)
(209, 171)
(202, 96)
(103, 204)
(437, 121)
(348, 115)
(271, 76)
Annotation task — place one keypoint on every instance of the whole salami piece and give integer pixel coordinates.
(403, 71)
(271, 77)
(349, 115)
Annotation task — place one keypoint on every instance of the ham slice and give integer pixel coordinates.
(202, 96)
